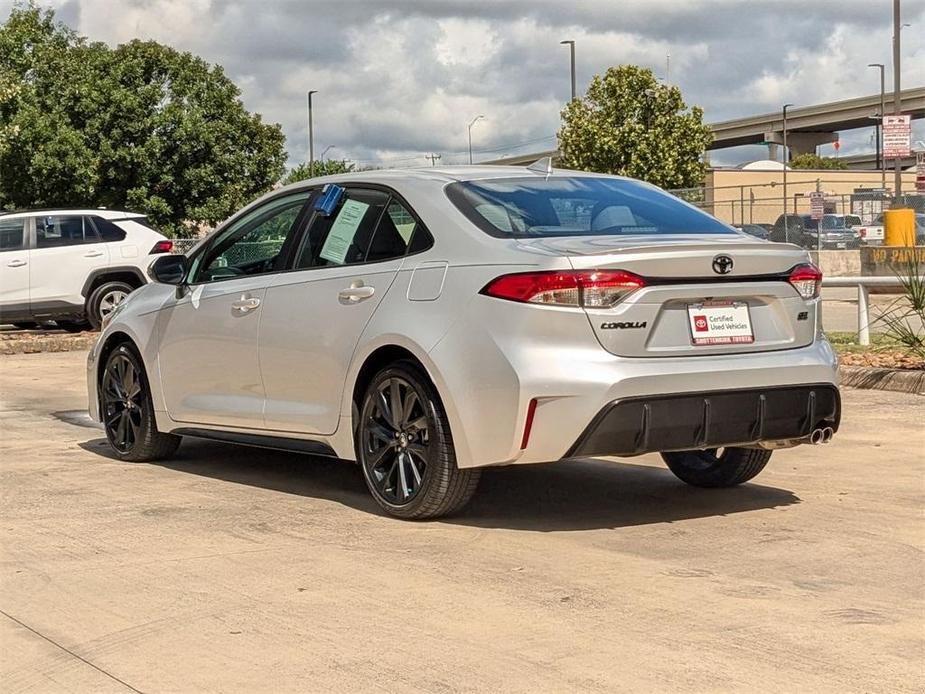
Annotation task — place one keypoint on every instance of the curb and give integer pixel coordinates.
(50, 343)
(872, 378)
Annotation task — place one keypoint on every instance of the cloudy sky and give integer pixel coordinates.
(399, 79)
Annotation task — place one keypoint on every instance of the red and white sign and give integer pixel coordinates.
(897, 134)
(720, 323)
(816, 204)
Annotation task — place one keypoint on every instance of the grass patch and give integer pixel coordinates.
(847, 342)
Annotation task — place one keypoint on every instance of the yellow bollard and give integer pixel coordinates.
(899, 227)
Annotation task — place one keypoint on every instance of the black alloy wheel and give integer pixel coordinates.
(405, 449)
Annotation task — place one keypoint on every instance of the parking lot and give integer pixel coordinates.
(234, 569)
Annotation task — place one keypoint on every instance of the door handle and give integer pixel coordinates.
(16, 263)
(245, 304)
(93, 254)
(355, 293)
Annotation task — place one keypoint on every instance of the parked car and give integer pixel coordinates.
(430, 323)
(72, 266)
(874, 234)
(756, 230)
(830, 232)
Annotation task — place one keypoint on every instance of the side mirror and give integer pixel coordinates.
(169, 269)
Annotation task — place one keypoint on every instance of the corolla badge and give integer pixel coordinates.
(722, 265)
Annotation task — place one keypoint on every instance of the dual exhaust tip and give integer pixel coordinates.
(821, 436)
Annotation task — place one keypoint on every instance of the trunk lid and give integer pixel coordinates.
(659, 319)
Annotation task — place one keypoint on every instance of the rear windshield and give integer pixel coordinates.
(577, 206)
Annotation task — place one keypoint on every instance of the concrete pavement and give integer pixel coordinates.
(239, 570)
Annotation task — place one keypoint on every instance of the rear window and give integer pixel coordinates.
(577, 206)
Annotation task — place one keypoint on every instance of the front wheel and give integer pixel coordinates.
(128, 411)
(717, 467)
(404, 446)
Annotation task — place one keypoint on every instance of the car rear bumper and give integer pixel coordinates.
(709, 420)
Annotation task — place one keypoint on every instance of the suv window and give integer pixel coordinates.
(344, 236)
(252, 244)
(12, 234)
(54, 231)
(108, 231)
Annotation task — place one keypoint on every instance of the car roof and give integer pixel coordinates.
(96, 212)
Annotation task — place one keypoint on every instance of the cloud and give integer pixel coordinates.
(400, 79)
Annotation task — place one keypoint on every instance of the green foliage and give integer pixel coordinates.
(321, 168)
(904, 318)
(140, 126)
(814, 161)
(631, 125)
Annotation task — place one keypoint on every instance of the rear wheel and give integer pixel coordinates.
(104, 300)
(717, 467)
(128, 412)
(405, 448)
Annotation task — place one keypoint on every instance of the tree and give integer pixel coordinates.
(140, 126)
(322, 168)
(629, 124)
(808, 160)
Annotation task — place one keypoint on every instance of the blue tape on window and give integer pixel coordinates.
(327, 201)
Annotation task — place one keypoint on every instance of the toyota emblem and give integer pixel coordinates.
(722, 265)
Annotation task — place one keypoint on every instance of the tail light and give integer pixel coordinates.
(807, 280)
(585, 288)
(164, 246)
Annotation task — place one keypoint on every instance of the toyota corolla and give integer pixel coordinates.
(429, 323)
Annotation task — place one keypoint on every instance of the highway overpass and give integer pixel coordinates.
(807, 126)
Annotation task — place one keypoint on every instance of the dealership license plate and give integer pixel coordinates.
(720, 323)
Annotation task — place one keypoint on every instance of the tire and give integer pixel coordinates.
(409, 464)
(128, 412)
(104, 299)
(717, 467)
(73, 326)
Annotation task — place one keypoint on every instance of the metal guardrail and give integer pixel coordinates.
(863, 284)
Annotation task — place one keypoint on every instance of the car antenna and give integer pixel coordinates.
(542, 166)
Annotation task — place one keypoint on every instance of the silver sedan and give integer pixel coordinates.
(428, 323)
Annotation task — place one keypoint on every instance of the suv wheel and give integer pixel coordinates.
(717, 467)
(104, 299)
(404, 446)
(127, 410)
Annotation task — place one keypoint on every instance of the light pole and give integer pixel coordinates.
(571, 44)
(786, 159)
(880, 162)
(474, 121)
(311, 135)
(897, 107)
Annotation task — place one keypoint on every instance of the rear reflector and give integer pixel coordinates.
(164, 246)
(528, 425)
(806, 279)
(587, 288)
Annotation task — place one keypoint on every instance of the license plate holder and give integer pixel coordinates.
(720, 323)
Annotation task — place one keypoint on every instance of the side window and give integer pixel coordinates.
(393, 234)
(107, 230)
(12, 234)
(343, 238)
(252, 244)
(54, 231)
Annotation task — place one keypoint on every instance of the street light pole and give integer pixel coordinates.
(326, 149)
(880, 162)
(311, 136)
(897, 108)
(571, 45)
(474, 121)
(786, 159)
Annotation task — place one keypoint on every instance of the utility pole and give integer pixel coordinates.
(880, 160)
(434, 158)
(311, 136)
(668, 67)
(897, 108)
(571, 45)
(786, 159)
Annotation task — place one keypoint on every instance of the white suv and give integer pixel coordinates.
(72, 266)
